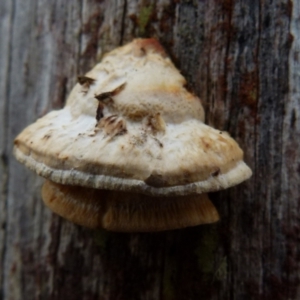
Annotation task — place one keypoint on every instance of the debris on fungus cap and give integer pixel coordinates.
(130, 150)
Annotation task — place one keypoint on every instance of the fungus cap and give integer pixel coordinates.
(131, 125)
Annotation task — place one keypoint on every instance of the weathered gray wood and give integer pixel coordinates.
(243, 59)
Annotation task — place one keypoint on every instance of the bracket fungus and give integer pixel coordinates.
(130, 150)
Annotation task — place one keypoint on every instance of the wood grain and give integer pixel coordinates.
(243, 59)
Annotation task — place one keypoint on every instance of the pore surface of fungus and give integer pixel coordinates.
(124, 211)
(130, 125)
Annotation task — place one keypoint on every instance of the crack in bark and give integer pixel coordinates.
(80, 38)
(123, 23)
(4, 156)
(229, 38)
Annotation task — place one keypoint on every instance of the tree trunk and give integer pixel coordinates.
(242, 58)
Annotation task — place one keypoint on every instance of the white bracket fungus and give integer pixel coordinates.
(130, 151)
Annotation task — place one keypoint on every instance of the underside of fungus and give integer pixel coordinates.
(131, 128)
(127, 212)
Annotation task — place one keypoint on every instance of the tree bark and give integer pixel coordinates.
(242, 58)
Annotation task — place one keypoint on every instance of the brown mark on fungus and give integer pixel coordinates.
(108, 95)
(99, 112)
(112, 125)
(85, 82)
(150, 160)
(156, 123)
(216, 172)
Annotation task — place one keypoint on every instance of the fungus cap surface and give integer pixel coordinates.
(131, 125)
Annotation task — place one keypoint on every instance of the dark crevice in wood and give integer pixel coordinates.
(4, 195)
(228, 7)
(162, 269)
(293, 119)
(5, 156)
(55, 230)
(123, 23)
(257, 86)
(79, 39)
